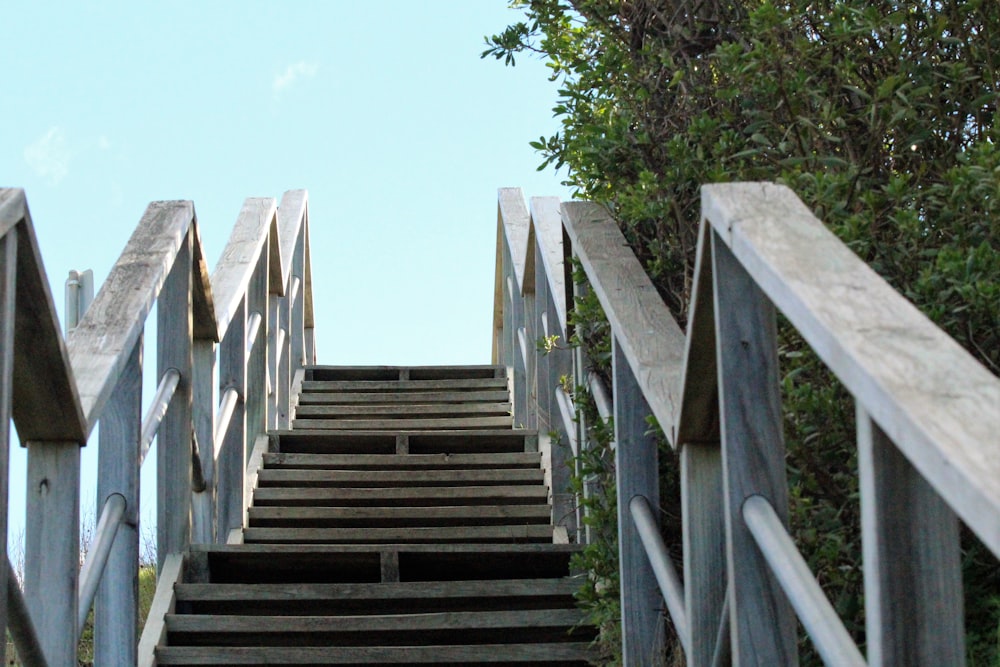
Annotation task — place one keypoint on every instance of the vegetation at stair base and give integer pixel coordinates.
(880, 116)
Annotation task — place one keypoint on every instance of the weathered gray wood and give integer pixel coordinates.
(389, 567)
(494, 384)
(284, 551)
(294, 208)
(164, 600)
(116, 609)
(203, 323)
(52, 546)
(252, 475)
(424, 409)
(376, 516)
(442, 495)
(508, 533)
(636, 474)
(232, 274)
(652, 342)
(929, 396)
(255, 398)
(276, 385)
(912, 560)
(514, 221)
(8, 313)
(21, 626)
(395, 424)
(392, 398)
(702, 494)
(547, 224)
(291, 221)
(399, 477)
(101, 343)
(231, 458)
(173, 451)
(762, 621)
(388, 461)
(579, 653)
(204, 398)
(45, 401)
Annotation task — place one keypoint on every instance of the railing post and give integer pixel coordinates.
(116, 608)
(231, 454)
(174, 437)
(637, 474)
(8, 303)
(256, 365)
(205, 400)
(912, 560)
(763, 625)
(52, 546)
(298, 310)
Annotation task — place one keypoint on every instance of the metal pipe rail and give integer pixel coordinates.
(926, 417)
(208, 335)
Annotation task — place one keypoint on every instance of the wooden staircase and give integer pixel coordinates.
(402, 520)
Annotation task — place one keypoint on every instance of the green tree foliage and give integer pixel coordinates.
(880, 115)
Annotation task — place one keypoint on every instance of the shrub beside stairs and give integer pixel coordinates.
(402, 520)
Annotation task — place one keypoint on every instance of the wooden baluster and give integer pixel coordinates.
(8, 303)
(297, 326)
(763, 624)
(205, 400)
(116, 607)
(257, 363)
(231, 454)
(173, 455)
(912, 560)
(637, 474)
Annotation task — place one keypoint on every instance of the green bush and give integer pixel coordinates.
(880, 115)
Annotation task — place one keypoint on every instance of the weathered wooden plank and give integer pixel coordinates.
(164, 600)
(404, 385)
(507, 533)
(202, 299)
(403, 495)
(231, 277)
(230, 455)
(52, 546)
(912, 560)
(388, 461)
(513, 219)
(423, 409)
(46, 404)
(116, 608)
(256, 364)
(100, 344)
(547, 223)
(298, 275)
(174, 436)
(636, 474)
(8, 313)
(578, 653)
(291, 219)
(466, 620)
(374, 516)
(291, 551)
(926, 393)
(204, 401)
(651, 340)
(388, 397)
(399, 477)
(396, 424)
(763, 623)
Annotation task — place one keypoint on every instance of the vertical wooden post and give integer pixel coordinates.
(273, 359)
(232, 457)
(297, 327)
(8, 303)
(173, 449)
(256, 366)
(205, 401)
(637, 474)
(116, 607)
(762, 621)
(912, 562)
(52, 546)
(284, 365)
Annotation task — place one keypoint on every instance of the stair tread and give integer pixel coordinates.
(405, 423)
(507, 532)
(355, 496)
(389, 398)
(426, 409)
(274, 460)
(377, 514)
(310, 386)
(377, 478)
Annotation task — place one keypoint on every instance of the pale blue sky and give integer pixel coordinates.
(383, 111)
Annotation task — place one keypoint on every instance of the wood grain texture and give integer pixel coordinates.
(762, 621)
(231, 458)
(912, 560)
(651, 340)
(547, 225)
(514, 220)
(46, 404)
(636, 466)
(924, 391)
(100, 345)
(202, 299)
(116, 608)
(233, 271)
(8, 313)
(204, 401)
(291, 221)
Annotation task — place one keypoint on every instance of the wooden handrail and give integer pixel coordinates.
(97, 377)
(926, 413)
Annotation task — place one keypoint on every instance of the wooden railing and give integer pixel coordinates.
(229, 352)
(927, 427)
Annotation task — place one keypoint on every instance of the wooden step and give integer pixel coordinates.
(383, 517)
(310, 386)
(477, 627)
(503, 460)
(397, 478)
(446, 423)
(393, 398)
(424, 410)
(487, 654)
(345, 441)
(401, 496)
(331, 373)
(417, 534)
